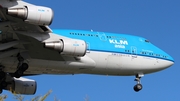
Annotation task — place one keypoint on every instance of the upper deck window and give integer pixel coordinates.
(83, 34)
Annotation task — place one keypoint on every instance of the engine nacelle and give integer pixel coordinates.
(23, 86)
(70, 47)
(37, 15)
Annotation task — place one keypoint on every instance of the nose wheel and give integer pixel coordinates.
(138, 86)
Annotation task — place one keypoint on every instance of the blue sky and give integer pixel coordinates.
(156, 20)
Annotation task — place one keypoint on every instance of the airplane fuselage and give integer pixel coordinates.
(106, 54)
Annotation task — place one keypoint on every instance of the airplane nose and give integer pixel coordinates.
(169, 61)
(164, 61)
(163, 64)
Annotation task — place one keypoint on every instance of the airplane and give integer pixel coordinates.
(28, 46)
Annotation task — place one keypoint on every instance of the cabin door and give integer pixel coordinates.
(134, 51)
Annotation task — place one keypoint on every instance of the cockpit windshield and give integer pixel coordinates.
(147, 41)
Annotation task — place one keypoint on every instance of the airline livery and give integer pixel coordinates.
(29, 47)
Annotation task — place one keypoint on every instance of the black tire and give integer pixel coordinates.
(18, 73)
(24, 66)
(137, 87)
(1, 90)
(4, 84)
(2, 75)
(17, 76)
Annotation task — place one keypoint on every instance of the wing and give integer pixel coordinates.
(25, 39)
(23, 30)
(21, 24)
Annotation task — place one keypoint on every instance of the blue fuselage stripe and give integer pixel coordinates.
(116, 43)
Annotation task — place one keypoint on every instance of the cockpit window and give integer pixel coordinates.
(147, 41)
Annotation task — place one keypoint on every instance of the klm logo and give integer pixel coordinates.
(120, 42)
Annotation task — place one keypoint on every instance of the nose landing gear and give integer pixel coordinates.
(138, 86)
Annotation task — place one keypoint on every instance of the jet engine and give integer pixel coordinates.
(37, 15)
(70, 47)
(22, 86)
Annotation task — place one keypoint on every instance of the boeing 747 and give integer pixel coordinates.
(29, 47)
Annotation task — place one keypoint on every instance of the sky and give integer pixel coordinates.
(156, 20)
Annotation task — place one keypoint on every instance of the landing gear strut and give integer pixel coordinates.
(21, 67)
(138, 86)
(3, 83)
